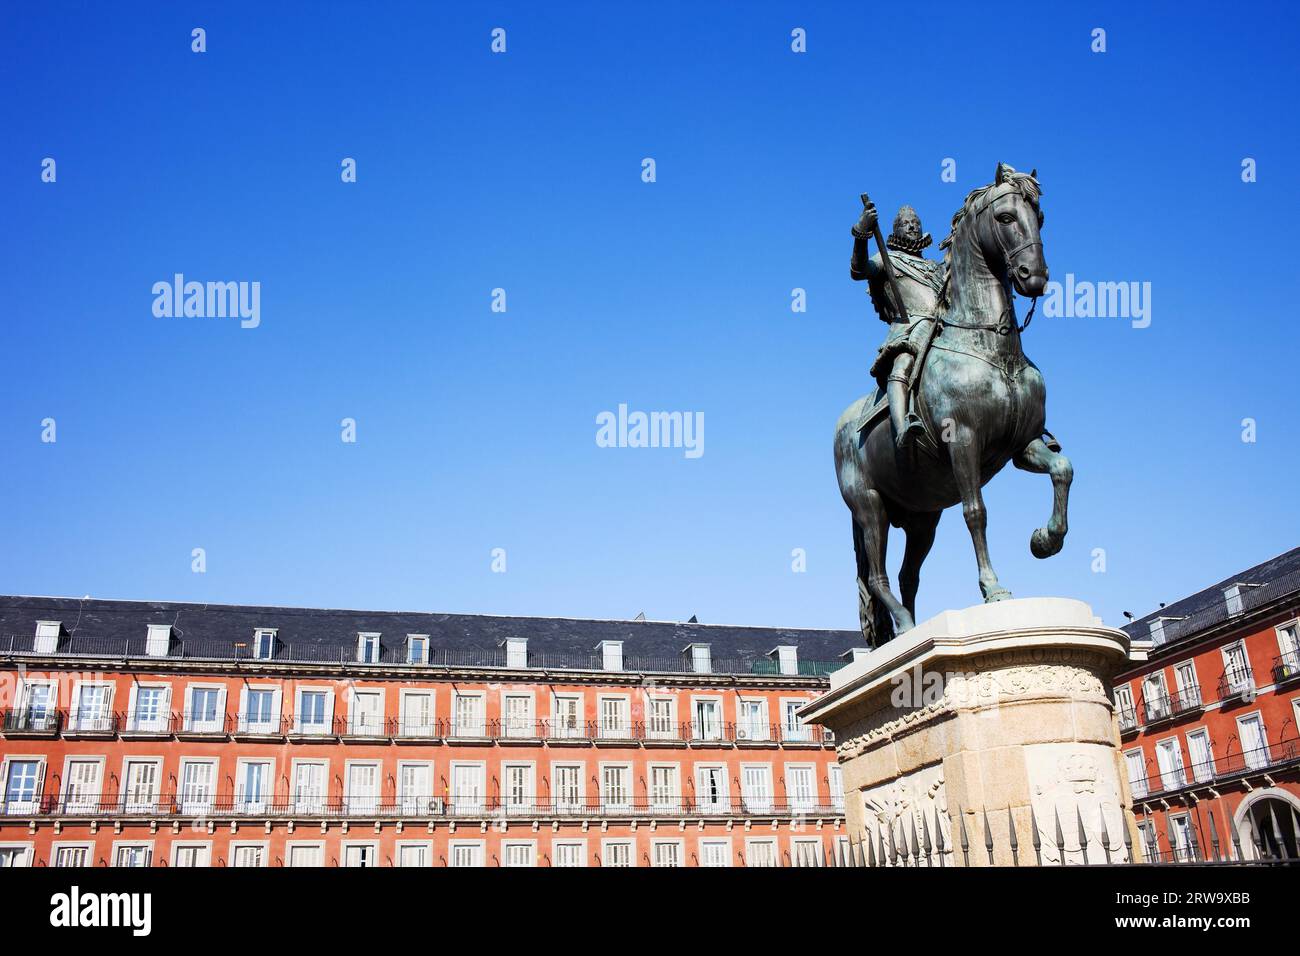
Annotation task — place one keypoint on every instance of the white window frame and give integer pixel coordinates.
(528, 848)
(799, 732)
(723, 802)
(698, 729)
(177, 845)
(608, 803)
(120, 845)
(24, 807)
(90, 802)
(309, 803)
(130, 803)
(658, 843)
(805, 804)
(1142, 786)
(467, 807)
(411, 727)
(360, 725)
(569, 804)
(49, 716)
(291, 845)
(758, 803)
(528, 804)
(559, 727)
(619, 726)
(1245, 679)
(232, 852)
(807, 851)
(1255, 763)
(192, 807)
(365, 641)
(835, 785)
(192, 723)
(158, 640)
(363, 804)
(770, 855)
(714, 841)
(514, 725)
(249, 726)
(347, 845)
(655, 729)
(477, 846)
(27, 850)
(425, 846)
(625, 842)
(1288, 647)
(59, 846)
(568, 843)
(420, 642)
(411, 804)
(48, 635)
(1176, 777)
(671, 802)
(104, 720)
(244, 803)
(461, 727)
(323, 729)
(750, 727)
(1199, 772)
(264, 639)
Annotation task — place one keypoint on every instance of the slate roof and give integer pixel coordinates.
(1271, 581)
(319, 633)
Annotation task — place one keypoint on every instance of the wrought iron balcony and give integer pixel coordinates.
(1286, 667)
(1237, 684)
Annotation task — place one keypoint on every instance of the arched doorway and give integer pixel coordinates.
(1269, 824)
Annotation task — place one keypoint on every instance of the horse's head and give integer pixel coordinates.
(1006, 218)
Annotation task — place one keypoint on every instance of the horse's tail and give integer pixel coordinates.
(877, 624)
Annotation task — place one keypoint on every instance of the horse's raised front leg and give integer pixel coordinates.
(1040, 459)
(964, 452)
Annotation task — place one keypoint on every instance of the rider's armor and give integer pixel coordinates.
(919, 282)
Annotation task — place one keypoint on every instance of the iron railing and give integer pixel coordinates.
(219, 725)
(1251, 599)
(1167, 706)
(122, 648)
(204, 805)
(1286, 667)
(1217, 769)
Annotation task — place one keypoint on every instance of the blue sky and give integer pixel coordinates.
(476, 430)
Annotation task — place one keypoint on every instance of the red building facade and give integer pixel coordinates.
(1208, 723)
(180, 735)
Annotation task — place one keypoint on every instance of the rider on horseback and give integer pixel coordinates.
(919, 282)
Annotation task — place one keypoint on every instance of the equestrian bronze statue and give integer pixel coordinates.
(957, 398)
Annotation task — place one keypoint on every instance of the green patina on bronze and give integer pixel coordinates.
(962, 398)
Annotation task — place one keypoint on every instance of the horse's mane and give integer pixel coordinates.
(1024, 183)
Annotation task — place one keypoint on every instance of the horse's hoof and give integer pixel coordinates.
(997, 594)
(1044, 544)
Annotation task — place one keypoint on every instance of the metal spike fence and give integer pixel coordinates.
(971, 838)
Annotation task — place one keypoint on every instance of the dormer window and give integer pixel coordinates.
(368, 648)
(611, 655)
(47, 636)
(787, 659)
(158, 642)
(264, 643)
(516, 652)
(700, 658)
(417, 648)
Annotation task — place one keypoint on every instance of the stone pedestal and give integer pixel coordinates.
(990, 720)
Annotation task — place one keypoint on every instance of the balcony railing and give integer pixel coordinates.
(205, 805)
(1185, 700)
(1220, 768)
(1128, 720)
(1234, 684)
(207, 724)
(394, 655)
(1286, 667)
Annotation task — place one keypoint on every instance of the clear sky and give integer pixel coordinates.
(476, 430)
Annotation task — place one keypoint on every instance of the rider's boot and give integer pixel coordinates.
(907, 424)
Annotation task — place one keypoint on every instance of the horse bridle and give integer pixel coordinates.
(1003, 327)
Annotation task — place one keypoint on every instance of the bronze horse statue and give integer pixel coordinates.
(982, 402)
